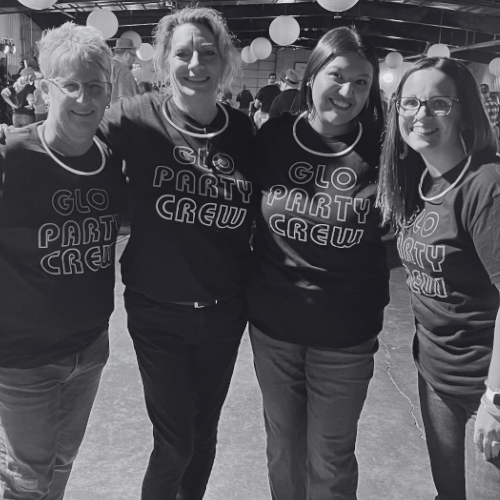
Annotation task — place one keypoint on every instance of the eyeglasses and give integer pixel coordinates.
(74, 88)
(437, 106)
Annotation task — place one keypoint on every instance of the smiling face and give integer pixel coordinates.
(427, 134)
(76, 117)
(194, 63)
(339, 91)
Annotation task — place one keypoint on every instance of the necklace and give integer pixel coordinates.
(340, 153)
(448, 189)
(69, 169)
(210, 135)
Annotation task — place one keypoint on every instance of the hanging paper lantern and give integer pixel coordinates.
(134, 36)
(105, 21)
(247, 55)
(438, 50)
(337, 5)
(145, 52)
(494, 66)
(38, 4)
(261, 48)
(394, 60)
(284, 30)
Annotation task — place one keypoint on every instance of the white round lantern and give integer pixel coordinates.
(284, 30)
(337, 5)
(261, 48)
(494, 66)
(134, 36)
(394, 60)
(247, 55)
(145, 52)
(105, 21)
(438, 50)
(38, 4)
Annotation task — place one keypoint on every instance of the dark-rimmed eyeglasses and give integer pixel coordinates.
(74, 88)
(437, 106)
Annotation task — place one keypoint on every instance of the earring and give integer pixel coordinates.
(404, 153)
(108, 106)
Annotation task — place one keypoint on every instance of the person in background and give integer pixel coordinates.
(19, 96)
(40, 99)
(61, 191)
(440, 187)
(320, 283)
(492, 107)
(189, 161)
(263, 100)
(244, 98)
(122, 79)
(290, 84)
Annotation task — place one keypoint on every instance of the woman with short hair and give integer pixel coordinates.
(440, 187)
(320, 284)
(189, 164)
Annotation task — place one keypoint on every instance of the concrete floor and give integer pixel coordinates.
(391, 445)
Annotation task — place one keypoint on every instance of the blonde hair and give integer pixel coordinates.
(73, 43)
(210, 18)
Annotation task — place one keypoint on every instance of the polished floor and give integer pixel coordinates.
(391, 444)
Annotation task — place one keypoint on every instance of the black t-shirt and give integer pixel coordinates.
(321, 276)
(191, 201)
(19, 99)
(266, 96)
(57, 247)
(244, 98)
(283, 102)
(451, 253)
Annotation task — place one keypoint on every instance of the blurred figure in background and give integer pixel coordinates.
(124, 56)
(40, 100)
(245, 97)
(18, 97)
(145, 87)
(290, 84)
(264, 99)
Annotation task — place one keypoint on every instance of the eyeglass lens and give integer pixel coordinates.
(437, 106)
(73, 88)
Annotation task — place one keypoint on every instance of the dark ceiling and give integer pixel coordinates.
(469, 27)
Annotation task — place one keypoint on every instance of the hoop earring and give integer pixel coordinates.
(403, 154)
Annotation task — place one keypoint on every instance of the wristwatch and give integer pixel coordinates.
(493, 395)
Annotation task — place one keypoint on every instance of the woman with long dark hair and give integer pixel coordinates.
(320, 283)
(440, 187)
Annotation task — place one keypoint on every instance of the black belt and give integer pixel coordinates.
(197, 305)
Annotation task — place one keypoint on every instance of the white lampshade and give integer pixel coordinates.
(38, 4)
(438, 50)
(247, 55)
(145, 52)
(284, 30)
(261, 48)
(105, 21)
(134, 36)
(494, 66)
(394, 60)
(337, 5)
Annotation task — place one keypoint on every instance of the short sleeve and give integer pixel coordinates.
(486, 238)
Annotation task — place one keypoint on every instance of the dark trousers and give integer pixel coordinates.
(186, 359)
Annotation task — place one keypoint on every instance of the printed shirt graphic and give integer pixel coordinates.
(57, 250)
(321, 277)
(451, 253)
(191, 202)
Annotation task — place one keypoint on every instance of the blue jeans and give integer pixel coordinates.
(459, 469)
(43, 416)
(313, 399)
(186, 358)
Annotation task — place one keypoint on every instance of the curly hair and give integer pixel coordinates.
(69, 43)
(231, 61)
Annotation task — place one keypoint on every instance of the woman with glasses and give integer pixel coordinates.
(189, 164)
(60, 192)
(440, 187)
(320, 285)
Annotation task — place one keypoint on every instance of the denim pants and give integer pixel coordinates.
(459, 469)
(21, 120)
(313, 399)
(43, 416)
(186, 359)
